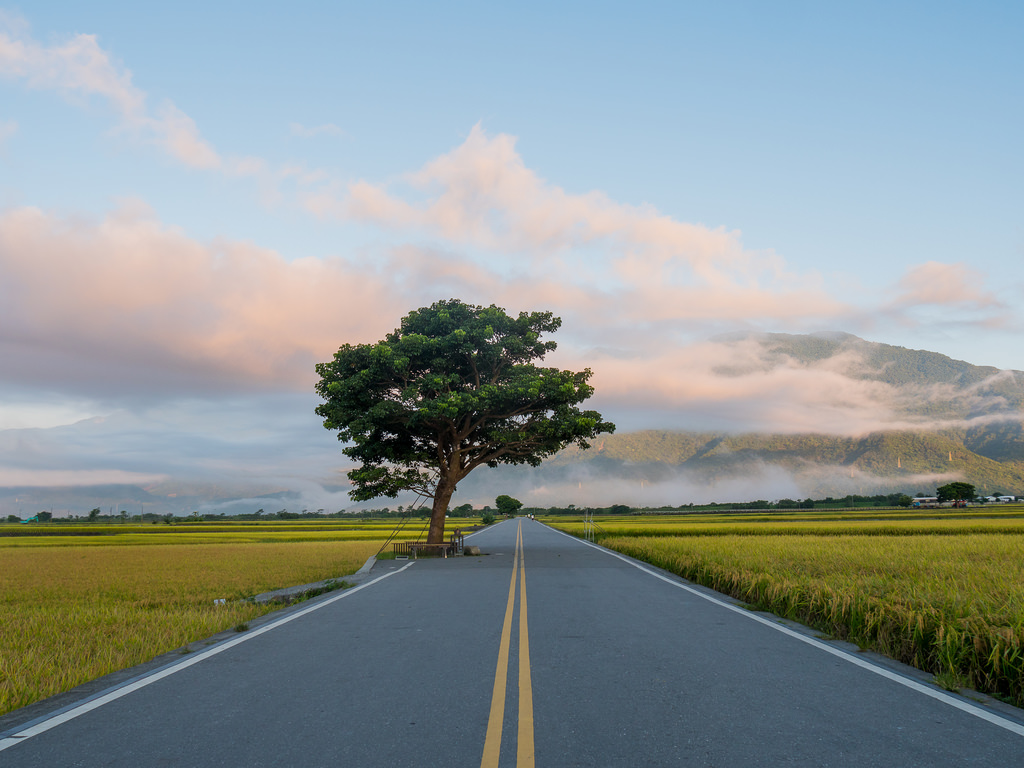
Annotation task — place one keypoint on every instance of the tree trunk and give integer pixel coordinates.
(442, 496)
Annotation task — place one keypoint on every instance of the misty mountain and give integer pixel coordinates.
(954, 421)
(939, 384)
(168, 497)
(981, 439)
(819, 465)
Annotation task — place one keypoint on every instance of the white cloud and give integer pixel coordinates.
(640, 485)
(129, 306)
(80, 67)
(138, 309)
(597, 255)
(178, 134)
(22, 411)
(659, 277)
(254, 444)
(944, 285)
(740, 386)
(197, 340)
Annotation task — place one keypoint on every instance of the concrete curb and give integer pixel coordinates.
(291, 594)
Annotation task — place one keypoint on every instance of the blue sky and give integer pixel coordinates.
(198, 201)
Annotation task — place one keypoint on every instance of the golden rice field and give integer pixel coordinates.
(1001, 519)
(943, 591)
(74, 607)
(116, 534)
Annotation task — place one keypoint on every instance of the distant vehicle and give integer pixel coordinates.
(1000, 499)
(919, 502)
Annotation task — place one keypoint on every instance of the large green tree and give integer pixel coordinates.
(453, 388)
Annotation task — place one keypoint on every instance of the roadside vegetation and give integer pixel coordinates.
(79, 600)
(941, 590)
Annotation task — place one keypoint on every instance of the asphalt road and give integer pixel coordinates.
(546, 650)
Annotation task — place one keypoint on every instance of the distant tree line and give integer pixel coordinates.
(506, 505)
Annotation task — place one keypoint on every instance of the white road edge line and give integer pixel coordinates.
(945, 698)
(490, 527)
(116, 693)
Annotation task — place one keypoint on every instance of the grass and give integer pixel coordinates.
(945, 594)
(73, 611)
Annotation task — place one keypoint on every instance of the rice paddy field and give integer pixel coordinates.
(78, 601)
(942, 590)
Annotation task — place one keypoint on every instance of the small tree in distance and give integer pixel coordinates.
(452, 389)
(463, 510)
(507, 505)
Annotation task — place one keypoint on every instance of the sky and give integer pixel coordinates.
(200, 201)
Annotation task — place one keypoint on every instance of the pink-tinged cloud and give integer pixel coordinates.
(598, 259)
(941, 284)
(80, 67)
(630, 260)
(128, 307)
(178, 134)
(77, 66)
(127, 304)
(481, 193)
(953, 296)
(740, 386)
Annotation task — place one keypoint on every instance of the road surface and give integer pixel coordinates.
(545, 651)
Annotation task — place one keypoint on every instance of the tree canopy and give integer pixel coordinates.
(452, 389)
(507, 505)
(955, 492)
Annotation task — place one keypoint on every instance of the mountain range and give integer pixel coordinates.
(942, 420)
(958, 422)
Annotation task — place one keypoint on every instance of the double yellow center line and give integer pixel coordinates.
(492, 744)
